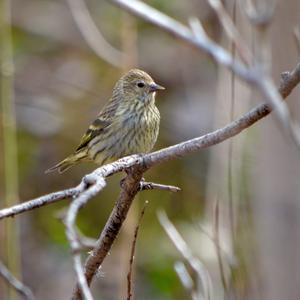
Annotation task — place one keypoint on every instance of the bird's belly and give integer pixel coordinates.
(143, 140)
(141, 136)
(133, 135)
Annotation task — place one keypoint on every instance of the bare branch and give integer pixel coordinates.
(13, 281)
(201, 271)
(40, 201)
(224, 133)
(130, 188)
(132, 252)
(183, 32)
(156, 186)
(95, 185)
(103, 171)
(82, 283)
(92, 35)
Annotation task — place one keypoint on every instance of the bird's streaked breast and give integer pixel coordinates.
(135, 132)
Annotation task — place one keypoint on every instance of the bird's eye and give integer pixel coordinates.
(141, 84)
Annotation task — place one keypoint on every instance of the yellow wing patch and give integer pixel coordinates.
(95, 129)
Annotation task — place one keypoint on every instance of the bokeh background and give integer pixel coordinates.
(60, 85)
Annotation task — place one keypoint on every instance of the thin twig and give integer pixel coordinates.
(40, 201)
(103, 171)
(92, 34)
(20, 287)
(201, 41)
(132, 252)
(156, 186)
(96, 184)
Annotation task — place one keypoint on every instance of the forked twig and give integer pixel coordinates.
(96, 184)
(157, 186)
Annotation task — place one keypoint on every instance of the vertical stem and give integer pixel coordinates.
(216, 240)
(11, 234)
(230, 150)
(129, 42)
(264, 53)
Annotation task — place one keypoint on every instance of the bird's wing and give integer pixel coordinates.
(105, 118)
(95, 129)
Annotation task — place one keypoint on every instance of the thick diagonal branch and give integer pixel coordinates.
(130, 187)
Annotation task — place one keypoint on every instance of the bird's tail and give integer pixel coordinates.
(67, 163)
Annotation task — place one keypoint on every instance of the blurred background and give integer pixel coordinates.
(61, 83)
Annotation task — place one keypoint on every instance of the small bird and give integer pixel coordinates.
(127, 124)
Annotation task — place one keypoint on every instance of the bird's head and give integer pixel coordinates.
(137, 84)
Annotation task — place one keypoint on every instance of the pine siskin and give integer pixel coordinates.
(128, 123)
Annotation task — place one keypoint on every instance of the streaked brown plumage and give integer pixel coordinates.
(128, 123)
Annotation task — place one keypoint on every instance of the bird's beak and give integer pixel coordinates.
(155, 87)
